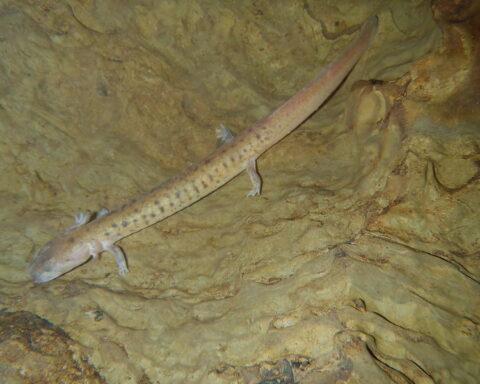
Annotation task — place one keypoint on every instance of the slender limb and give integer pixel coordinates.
(101, 212)
(120, 259)
(81, 218)
(254, 177)
(224, 134)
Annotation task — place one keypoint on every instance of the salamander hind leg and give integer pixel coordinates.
(254, 177)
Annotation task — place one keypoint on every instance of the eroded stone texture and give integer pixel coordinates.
(357, 264)
(32, 350)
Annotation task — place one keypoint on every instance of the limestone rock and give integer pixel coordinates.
(32, 350)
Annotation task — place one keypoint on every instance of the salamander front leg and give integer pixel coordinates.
(120, 259)
(224, 134)
(101, 212)
(254, 177)
(82, 218)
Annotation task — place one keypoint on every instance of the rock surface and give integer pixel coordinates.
(359, 263)
(32, 350)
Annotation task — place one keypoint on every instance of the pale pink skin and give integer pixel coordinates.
(77, 245)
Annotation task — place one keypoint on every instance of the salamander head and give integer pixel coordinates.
(58, 256)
